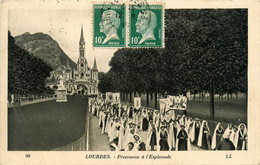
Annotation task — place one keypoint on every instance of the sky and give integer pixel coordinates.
(64, 26)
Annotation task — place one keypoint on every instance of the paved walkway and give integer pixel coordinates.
(27, 102)
(97, 140)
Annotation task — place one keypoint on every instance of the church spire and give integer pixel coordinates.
(82, 40)
(81, 43)
(95, 65)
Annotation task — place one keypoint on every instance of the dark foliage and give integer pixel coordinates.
(204, 49)
(26, 73)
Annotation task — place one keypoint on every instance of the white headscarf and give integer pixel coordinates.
(192, 131)
(159, 138)
(242, 134)
(213, 145)
(188, 141)
(227, 132)
(201, 133)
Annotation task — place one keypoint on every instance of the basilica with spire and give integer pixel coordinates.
(82, 79)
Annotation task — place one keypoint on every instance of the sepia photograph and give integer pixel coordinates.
(128, 76)
(201, 75)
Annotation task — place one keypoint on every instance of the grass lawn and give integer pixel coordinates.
(228, 112)
(46, 125)
(234, 112)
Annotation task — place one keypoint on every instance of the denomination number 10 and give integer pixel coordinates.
(98, 40)
(134, 40)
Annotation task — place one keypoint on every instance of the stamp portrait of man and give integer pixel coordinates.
(145, 25)
(109, 25)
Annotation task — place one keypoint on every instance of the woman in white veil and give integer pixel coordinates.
(217, 136)
(241, 137)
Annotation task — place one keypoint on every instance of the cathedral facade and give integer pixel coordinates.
(82, 79)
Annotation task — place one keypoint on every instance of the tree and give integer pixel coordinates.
(26, 73)
(206, 50)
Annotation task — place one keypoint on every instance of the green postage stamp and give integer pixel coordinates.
(146, 26)
(109, 25)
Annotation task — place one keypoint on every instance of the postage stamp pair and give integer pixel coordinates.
(145, 25)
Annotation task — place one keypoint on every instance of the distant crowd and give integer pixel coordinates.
(166, 131)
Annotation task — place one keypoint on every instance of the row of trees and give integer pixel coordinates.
(205, 50)
(26, 73)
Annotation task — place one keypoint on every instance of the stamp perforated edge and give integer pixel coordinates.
(127, 4)
(163, 27)
(92, 24)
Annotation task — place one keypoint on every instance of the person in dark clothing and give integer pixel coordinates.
(217, 136)
(152, 137)
(204, 140)
(182, 139)
(163, 139)
(131, 112)
(242, 137)
(225, 143)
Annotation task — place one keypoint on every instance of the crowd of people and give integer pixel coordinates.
(165, 131)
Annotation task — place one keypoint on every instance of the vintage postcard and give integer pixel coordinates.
(129, 82)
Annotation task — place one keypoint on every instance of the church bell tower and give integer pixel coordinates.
(82, 65)
(82, 44)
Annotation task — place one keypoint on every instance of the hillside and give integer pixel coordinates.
(45, 48)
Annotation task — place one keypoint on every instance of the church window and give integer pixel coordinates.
(82, 65)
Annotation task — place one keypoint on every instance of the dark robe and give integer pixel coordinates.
(240, 142)
(153, 141)
(105, 122)
(219, 134)
(115, 141)
(175, 132)
(95, 111)
(150, 116)
(163, 141)
(117, 111)
(182, 136)
(131, 112)
(122, 111)
(145, 124)
(206, 139)
(197, 132)
(225, 144)
(142, 147)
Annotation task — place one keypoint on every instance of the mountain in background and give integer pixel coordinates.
(45, 48)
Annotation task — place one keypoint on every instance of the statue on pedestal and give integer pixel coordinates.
(61, 92)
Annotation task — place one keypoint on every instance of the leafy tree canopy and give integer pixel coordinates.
(26, 73)
(202, 47)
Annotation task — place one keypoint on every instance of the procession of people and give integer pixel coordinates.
(164, 131)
